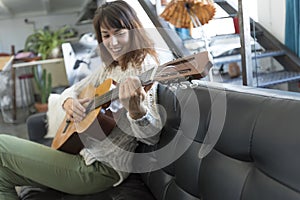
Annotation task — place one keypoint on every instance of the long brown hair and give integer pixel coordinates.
(118, 14)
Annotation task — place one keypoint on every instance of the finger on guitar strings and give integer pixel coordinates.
(123, 91)
(78, 109)
(85, 101)
(137, 90)
(78, 115)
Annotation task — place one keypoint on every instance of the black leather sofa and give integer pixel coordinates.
(220, 142)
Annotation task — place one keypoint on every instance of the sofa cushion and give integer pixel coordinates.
(55, 115)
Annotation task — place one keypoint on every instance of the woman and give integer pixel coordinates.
(102, 163)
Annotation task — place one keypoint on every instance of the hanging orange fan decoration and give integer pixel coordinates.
(176, 12)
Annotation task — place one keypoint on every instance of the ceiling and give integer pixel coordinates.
(28, 8)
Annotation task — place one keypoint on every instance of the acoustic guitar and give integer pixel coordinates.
(67, 138)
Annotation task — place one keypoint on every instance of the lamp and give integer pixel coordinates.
(178, 12)
(189, 14)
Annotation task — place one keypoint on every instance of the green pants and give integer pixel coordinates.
(23, 162)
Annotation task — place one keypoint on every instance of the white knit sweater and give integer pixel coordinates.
(117, 149)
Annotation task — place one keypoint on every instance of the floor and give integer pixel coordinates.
(18, 127)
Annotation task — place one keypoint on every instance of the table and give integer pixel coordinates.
(5, 62)
(37, 62)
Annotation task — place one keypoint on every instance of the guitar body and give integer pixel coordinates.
(67, 139)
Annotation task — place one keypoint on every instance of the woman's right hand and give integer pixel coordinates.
(75, 108)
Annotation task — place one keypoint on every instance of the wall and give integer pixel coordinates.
(271, 14)
(161, 46)
(15, 31)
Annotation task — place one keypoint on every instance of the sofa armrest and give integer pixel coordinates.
(37, 126)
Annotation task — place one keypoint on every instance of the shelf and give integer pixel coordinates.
(39, 62)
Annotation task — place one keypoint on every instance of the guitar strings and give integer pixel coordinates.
(114, 93)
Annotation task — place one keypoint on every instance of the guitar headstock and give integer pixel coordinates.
(195, 66)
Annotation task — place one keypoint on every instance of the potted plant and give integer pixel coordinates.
(44, 86)
(47, 43)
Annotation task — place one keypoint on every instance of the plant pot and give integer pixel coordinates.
(41, 107)
(55, 53)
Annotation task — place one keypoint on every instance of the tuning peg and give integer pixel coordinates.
(183, 86)
(173, 87)
(193, 84)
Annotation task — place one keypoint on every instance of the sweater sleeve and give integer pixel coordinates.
(147, 129)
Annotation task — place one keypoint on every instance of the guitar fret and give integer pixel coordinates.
(105, 98)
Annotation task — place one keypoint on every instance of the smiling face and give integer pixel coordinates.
(119, 35)
(116, 41)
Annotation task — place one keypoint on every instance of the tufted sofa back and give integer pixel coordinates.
(226, 143)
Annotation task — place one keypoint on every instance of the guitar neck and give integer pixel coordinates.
(193, 66)
(103, 99)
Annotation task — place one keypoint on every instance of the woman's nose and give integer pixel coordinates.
(114, 40)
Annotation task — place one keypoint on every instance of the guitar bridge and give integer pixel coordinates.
(67, 125)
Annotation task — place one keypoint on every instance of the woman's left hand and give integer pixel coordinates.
(132, 94)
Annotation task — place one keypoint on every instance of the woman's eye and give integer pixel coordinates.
(105, 36)
(120, 33)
